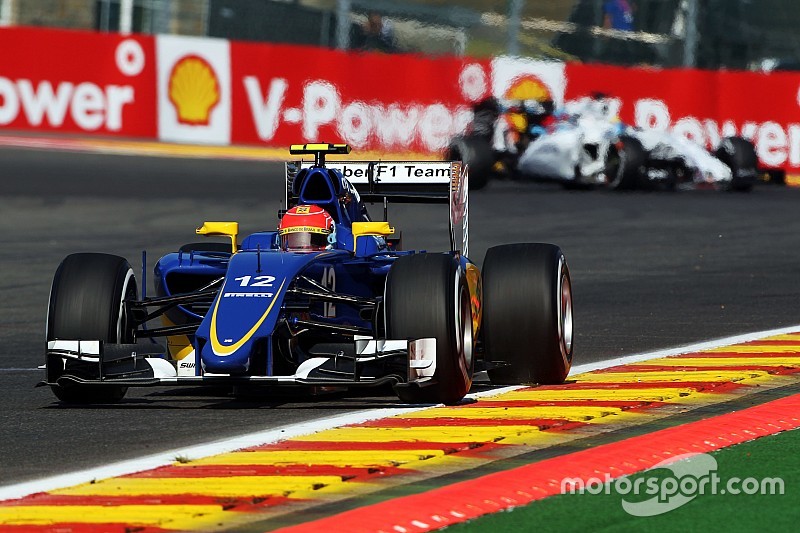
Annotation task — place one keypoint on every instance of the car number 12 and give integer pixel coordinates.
(258, 281)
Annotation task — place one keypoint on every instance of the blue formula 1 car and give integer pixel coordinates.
(355, 311)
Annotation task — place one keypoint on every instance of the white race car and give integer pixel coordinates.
(585, 145)
(580, 147)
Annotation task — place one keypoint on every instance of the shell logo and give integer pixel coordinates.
(527, 87)
(194, 90)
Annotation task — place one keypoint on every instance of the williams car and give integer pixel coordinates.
(586, 145)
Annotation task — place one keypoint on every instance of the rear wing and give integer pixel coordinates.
(397, 181)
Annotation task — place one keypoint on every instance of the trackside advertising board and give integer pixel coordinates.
(77, 82)
(194, 90)
(287, 94)
(214, 91)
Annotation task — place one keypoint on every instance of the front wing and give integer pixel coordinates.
(96, 363)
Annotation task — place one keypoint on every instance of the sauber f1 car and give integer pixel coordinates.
(357, 312)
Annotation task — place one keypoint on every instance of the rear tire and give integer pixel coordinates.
(740, 156)
(427, 296)
(476, 152)
(527, 314)
(86, 303)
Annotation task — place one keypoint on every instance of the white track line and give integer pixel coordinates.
(196, 452)
(698, 347)
(20, 490)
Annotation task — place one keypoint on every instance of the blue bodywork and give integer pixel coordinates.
(248, 313)
(268, 296)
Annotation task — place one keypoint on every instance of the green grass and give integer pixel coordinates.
(773, 456)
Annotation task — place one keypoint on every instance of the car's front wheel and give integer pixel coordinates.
(625, 167)
(427, 296)
(87, 303)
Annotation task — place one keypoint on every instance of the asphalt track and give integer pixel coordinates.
(649, 271)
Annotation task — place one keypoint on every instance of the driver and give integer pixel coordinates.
(539, 114)
(306, 228)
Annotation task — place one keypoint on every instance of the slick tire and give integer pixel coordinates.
(86, 302)
(427, 296)
(628, 174)
(476, 152)
(527, 314)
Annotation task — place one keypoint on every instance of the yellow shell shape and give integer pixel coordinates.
(193, 90)
(528, 87)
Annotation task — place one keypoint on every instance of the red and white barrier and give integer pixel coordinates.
(214, 91)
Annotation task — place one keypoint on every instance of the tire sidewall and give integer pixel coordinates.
(87, 303)
(527, 328)
(633, 159)
(115, 283)
(426, 295)
(476, 152)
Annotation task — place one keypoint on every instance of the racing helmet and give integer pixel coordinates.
(538, 110)
(306, 228)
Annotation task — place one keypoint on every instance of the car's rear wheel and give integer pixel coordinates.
(527, 314)
(427, 296)
(476, 152)
(740, 156)
(86, 303)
